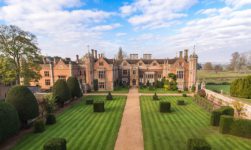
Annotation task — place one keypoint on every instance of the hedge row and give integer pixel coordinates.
(165, 107)
(203, 102)
(198, 144)
(241, 87)
(55, 144)
(238, 127)
(9, 121)
(216, 114)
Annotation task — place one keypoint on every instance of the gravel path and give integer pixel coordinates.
(130, 136)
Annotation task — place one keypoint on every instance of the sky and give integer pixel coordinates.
(66, 28)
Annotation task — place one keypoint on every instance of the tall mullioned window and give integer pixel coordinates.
(180, 74)
(101, 85)
(47, 82)
(125, 72)
(101, 74)
(46, 73)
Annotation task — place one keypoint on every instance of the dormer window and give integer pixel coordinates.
(124, 64)
(101, 63)
(140, 64)
(154, 64)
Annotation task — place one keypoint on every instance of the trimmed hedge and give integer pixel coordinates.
(225, 123)
(165, 107)
(9, 121)
(73, 85)
(99, 106)
(155, 96)
(241, 87)
(109, 96)
(181, 102)
(184, 95)
(50, 119)
(61, 92)
(198, 144)
(39, 126)
(89, 101)
(216, 114)
(55, 144)
(237, 127)
(24, 101)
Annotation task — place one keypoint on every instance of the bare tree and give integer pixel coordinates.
(208, 66)
(121, 54)
(218, 68)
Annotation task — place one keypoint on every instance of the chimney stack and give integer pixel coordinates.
(181, 54)
(92, 52)
(77, 58)
(96, 54)
(186, 54)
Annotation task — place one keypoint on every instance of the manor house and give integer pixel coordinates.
(94, 68)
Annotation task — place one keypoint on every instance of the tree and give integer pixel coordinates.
(121, 54)
(21, 49)
(9, 121)
(240, 108)
(234, 61)
(73, 85)
(218, 68)
(61, 92)
(208, 66)
(7, 74)
(24, 101)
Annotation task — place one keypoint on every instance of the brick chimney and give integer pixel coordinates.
(181, 54)
(96, 53)
(186, 54)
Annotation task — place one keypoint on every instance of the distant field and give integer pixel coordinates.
(171, 131)
(82, 128)
(218, 88)
(211, 76)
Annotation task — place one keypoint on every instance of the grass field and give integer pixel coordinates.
(116, 90)
(218, 88)
(157, 90)
(224, 76)
(171, 131)
(82, 128)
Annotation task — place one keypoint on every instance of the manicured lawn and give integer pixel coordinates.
(82, 128)
(218, 88)
(157, 90)
(171, 131)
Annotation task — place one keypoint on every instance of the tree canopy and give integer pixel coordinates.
(20, 48)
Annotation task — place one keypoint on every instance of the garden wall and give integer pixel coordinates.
(222, 100)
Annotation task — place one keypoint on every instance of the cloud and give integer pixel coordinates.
(237, 3)
(62, 27)
(144, 14)
(121, 34)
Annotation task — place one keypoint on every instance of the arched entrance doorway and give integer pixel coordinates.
(134, 82)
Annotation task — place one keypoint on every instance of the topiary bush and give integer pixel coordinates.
(9, 121)
(24, 101)
(198, 144)
(241, 87)
(109, 96)
(99, 106)
(155, 96)
(216, 114)
(50, 119)
(241, 127)
(73, 85)
(184, 95)
(39, 126)
(225, 123)
(89, 102)
(55, 144)
(181, 102)
(61, 92)
(165, 107)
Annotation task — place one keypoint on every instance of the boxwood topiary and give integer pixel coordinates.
(215, 115)
(50, 119)
(99, 106)
(225, 123)
(109, 96)
(9, 121)
(24, 101)
(89, 101)
(180, 102)
(241, 127)
(73, 85)
(155, 96)
(61, 92)
(39, 126)
(184, 95)
(55, 144)
(197, 144)
(165, 107)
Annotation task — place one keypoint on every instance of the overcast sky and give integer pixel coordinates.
(161, 27)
